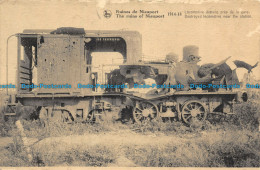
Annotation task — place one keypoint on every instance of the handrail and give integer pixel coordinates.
(7, 60)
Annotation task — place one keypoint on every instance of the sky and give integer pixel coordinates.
(217, 39)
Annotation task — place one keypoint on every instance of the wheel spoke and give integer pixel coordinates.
(200, 115)
(139, 109)
(154, 115)
(139, 113)
(153, 110)
(188, 117)
(150, 107)
(141, 106)
(186, 109)
(139, 116)
(66, 117)
(186, 113)
(144, 105)
(90, 116)
(199, 107)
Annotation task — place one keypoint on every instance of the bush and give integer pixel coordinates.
(247, 115)
(5, 126)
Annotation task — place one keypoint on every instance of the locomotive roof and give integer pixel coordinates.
(78, 31)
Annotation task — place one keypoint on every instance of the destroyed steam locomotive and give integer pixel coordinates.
(180, 90)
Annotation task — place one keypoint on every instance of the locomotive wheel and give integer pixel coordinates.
(66, 116)
(47, 116)
(193, 110)
(145, 111)
(90, 116)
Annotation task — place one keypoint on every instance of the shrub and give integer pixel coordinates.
(247, 115)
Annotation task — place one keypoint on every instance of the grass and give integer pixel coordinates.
(218, 146)
(234, 148)
(214, 150)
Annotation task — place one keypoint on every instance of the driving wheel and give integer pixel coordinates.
(193, 111)
(144, 111)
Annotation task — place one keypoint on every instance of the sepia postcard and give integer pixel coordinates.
(129, 84)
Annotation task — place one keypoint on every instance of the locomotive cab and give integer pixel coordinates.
(65, 57)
